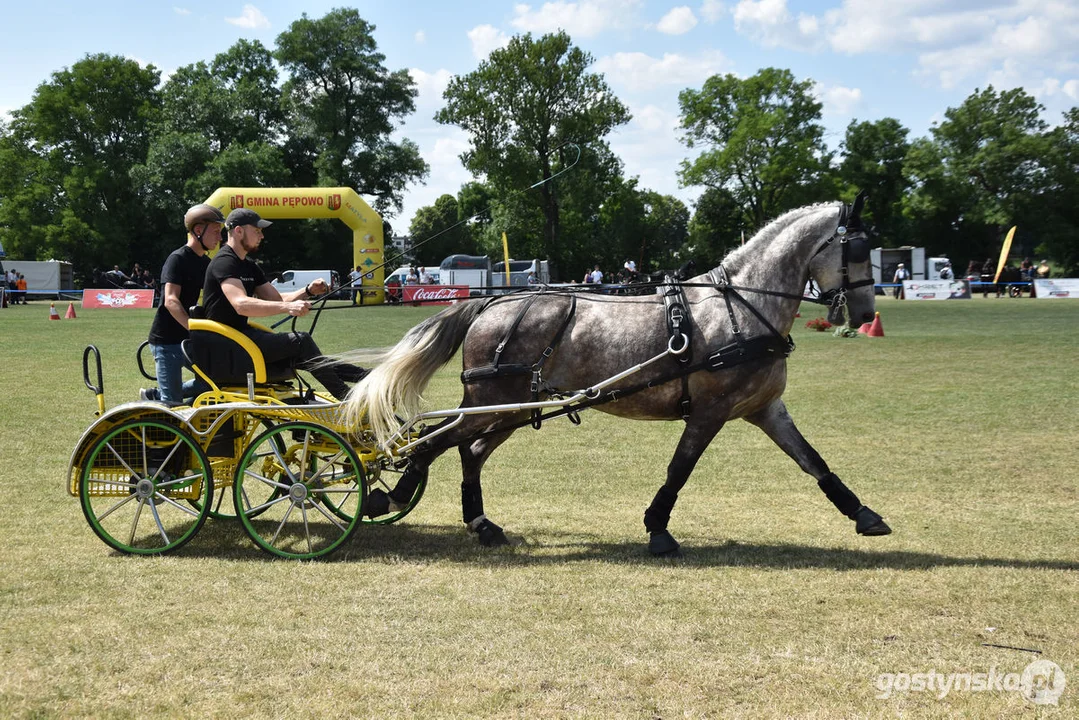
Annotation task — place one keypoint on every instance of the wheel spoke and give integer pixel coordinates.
(328, 516)
(267, 504)
(135, 522)
(178, 506)
(114, 483)
(122, 461)
(283, 463)
(283, 521)
(327, 464)
(268, 481)
(165, 461)
(176, 481)
(118, 505)
(160, 525)
(306, 528)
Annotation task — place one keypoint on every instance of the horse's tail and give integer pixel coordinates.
(393, 388)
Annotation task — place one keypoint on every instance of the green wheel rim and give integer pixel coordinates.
(283, 497)
(137, 486)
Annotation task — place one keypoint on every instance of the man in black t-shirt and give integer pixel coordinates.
(182, 277)
(236, 289)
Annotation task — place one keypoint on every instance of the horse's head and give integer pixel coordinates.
(841, 268)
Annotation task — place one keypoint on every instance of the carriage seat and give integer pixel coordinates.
(226, 355)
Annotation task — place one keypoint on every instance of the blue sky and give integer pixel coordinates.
(907, 59)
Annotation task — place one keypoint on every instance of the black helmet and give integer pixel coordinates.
(202, 213)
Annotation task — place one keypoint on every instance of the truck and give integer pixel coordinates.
(299, 279)
(519, 272)
(473, 271)
(886, 260)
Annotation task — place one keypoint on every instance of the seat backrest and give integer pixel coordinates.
(227, 355)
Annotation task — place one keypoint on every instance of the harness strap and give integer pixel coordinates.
(537, 369)
(513, 327)
(679, 325)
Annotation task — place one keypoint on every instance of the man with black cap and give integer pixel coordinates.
(236, 289)
(182, 277)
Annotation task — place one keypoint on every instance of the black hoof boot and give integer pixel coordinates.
(662, 544)
(867, 522)
(378, 503)
(490, 535)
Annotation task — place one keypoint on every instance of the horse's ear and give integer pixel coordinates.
(856, 211)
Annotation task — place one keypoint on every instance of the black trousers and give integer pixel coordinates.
(299, 349)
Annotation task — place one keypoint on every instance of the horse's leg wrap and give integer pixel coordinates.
(471, 502)
(866, 522)
(839, 494)
(410, 480)
(658, 513)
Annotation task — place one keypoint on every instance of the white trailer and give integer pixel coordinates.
(886, 260)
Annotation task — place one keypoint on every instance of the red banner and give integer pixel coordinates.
(433, 294)
(114, 298)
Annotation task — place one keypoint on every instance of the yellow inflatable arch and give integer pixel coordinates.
(341, 203)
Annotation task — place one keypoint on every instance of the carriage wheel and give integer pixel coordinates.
(300, 490)
(137, 485)
(386, 478)
(1015, 291)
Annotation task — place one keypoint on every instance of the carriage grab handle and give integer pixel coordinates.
(679, 351)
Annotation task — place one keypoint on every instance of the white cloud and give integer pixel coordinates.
(712, 10)
(180, 10)
(485, 38)
(639, 71)
(420, 37)
(579, 19)
(771, 23)
(251, 17)
(838, 100)
(678, 21)
(430, 87)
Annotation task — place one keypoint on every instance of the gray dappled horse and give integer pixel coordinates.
(730, 363)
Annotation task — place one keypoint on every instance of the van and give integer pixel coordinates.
(299, 279)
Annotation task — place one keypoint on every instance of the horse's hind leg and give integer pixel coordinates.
(474, 454)
(695, 438)
(777, 424)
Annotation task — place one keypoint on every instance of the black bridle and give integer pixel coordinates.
(854, 249)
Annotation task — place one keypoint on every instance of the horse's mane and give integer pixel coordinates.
(752, 251)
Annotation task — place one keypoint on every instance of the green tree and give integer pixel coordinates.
(715, 228)
(436, 226)
(344, 102)
(1057, 226)
(82, 133)
(761, 139)
(520, 107)
(982, 172)
(873, 156)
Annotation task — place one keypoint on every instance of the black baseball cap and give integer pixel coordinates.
(243, 216)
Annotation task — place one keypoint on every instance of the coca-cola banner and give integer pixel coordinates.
(117, 299)
(433, 294)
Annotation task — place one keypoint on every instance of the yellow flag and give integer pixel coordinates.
(1004, 252)
(506, 252)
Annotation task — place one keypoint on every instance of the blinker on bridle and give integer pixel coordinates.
(854, 248)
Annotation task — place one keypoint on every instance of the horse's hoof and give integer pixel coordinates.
(377, 504)
(662, 544)
(867, 522)
(490, 535)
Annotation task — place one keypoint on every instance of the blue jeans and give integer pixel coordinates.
(169, 361)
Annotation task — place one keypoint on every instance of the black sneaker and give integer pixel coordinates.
(149, 394)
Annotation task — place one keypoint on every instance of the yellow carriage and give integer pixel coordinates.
(257, 446)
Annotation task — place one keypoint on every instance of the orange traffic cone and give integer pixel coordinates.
(71, 311)
(864, 329)
(876, 329)
(53, 315)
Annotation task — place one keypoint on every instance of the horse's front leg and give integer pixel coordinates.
(695, 438)
(474, 454)
(777, 424)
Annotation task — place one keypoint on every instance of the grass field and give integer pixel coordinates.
(959, 427)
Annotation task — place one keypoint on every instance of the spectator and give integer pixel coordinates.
(901, 274)
(413, 277)
(532, 277)
(236, 289)
(12, 280)
(183, 274)
(597, 275)
(356, 280)
(425, 277)
(1043, 271)
(20, 286)
(946, 272)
